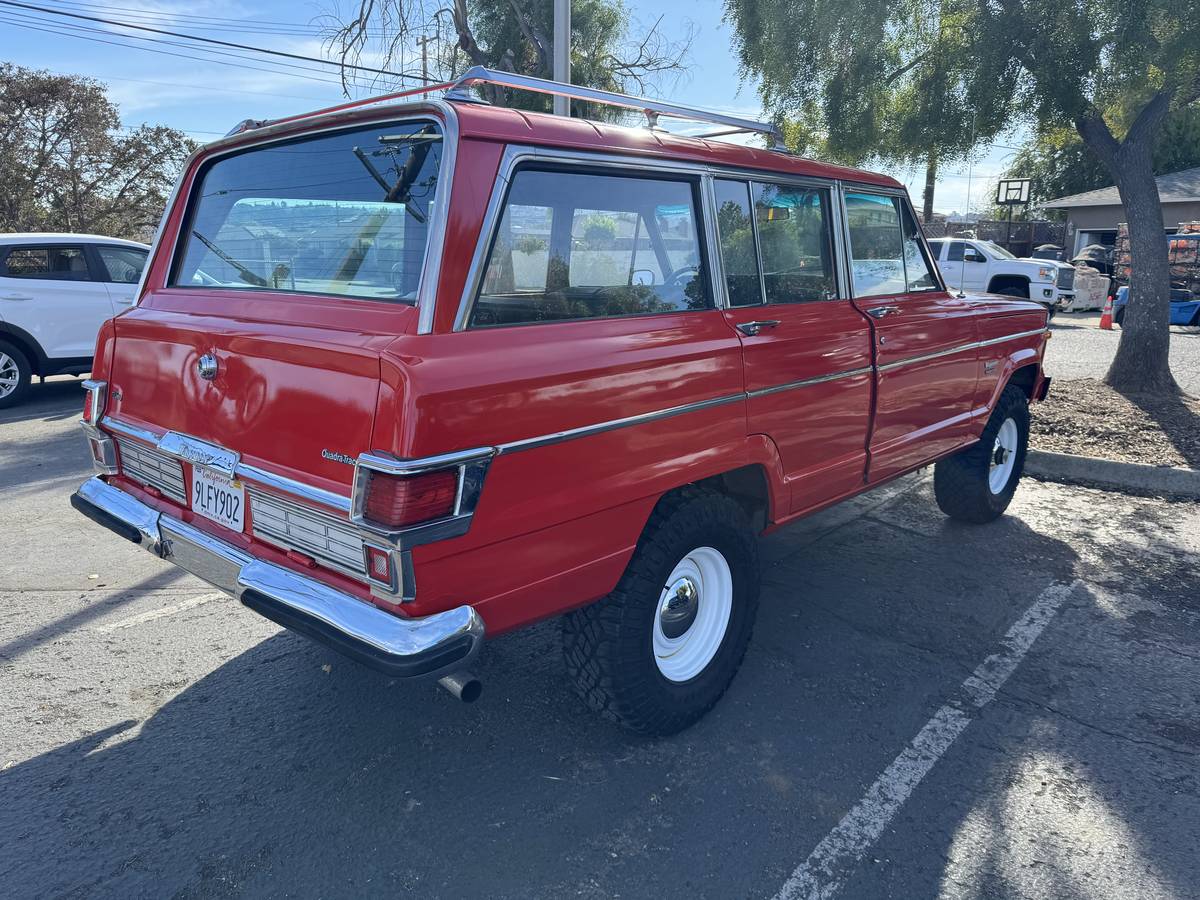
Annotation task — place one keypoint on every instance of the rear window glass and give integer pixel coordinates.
(574, 245)
(51, 263)
(345, 214)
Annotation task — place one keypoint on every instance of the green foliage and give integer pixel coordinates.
(66, 164)
(870, 80)
(1060, 164)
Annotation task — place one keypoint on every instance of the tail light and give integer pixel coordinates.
(400, 501)
(95, 396)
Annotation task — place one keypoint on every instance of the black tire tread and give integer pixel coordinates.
(600, 641)
(23, 379)
(960, 481)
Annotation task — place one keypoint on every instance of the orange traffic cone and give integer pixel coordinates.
(1106, 316)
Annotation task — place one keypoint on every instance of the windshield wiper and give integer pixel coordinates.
(247, 275)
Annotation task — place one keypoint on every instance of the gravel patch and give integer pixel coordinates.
(1088, 418)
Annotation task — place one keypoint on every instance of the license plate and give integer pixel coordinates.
(219, 499)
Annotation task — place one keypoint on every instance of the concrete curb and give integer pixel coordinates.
(1119, 476)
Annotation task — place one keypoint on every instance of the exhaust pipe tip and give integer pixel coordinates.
(463, 685)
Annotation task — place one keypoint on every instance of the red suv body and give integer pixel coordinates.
(402, 376)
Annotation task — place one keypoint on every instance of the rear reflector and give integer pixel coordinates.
(401, 501)
(379, 566)
(94, 395)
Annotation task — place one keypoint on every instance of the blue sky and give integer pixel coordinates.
(205, 97)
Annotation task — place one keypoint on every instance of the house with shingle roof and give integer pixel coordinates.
(1093, 216)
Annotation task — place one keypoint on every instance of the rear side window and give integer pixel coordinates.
(578, 245)
(794, 239)
(345, 214)
(956, 251)
(50, 263)
(123, 265)
(886, 256)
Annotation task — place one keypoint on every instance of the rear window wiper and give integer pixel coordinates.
(247, 275)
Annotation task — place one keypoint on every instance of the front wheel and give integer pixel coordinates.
(659, 651)
(977, 484)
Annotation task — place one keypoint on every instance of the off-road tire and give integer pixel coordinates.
(24, 374)
(608, 645)
(960, 482)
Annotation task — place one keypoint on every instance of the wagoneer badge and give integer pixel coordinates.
(207, 367)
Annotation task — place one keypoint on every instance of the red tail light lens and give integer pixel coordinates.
(94, 393)
(401, 501)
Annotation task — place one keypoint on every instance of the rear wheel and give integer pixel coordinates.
(15, 373)
(660, 650)
(977, 484)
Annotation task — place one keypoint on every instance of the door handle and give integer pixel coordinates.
(878, 312)
(16, 296)
(752, 328)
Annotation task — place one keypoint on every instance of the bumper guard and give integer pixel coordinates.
(398, 647)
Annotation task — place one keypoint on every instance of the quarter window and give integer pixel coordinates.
(886, 256)
(51, 263)
(123, 264)
(575, 245)
(794, 241)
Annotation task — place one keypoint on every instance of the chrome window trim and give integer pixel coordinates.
(517, 155)
(349, 119)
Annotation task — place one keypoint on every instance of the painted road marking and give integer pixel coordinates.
(159, 613)
(834, 859)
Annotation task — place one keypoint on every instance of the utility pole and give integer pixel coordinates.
(425, 60)
(562, 53)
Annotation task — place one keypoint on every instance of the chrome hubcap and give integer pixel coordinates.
(1004, 457)
(9, 375)
(693, 614)
(678, 609)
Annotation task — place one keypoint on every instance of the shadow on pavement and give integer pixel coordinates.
(50, 401)
(289, 770)
(1179, 421)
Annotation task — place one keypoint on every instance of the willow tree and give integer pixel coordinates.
(609, 49)
(1114, 70)
(862, 82)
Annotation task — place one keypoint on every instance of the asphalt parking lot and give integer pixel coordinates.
(1080, 349)
(926, 710)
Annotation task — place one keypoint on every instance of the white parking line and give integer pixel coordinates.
(827, 867)
(159, 613)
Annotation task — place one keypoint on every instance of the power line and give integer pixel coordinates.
(207, 40)
(205, 23)
(204, 59)
(52, 26)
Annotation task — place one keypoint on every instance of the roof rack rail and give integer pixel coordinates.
(652, 109)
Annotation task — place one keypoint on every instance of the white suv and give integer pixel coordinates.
(55, 292)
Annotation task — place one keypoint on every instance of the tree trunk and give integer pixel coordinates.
(931, 168)
(1142, 362)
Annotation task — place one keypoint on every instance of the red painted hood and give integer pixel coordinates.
(297, 381)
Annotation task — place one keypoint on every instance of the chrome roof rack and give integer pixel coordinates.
(652, 109)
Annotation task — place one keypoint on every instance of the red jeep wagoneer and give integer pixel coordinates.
(405, 374)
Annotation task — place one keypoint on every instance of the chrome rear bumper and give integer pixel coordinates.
(399, 647)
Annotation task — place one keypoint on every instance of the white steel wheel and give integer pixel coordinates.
(693, 614)
(10, 375)
(1004, 456)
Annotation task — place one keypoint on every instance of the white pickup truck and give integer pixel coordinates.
(983, 266)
